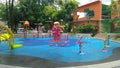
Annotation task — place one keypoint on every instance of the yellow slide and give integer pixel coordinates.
(4, 37)
(9, 36)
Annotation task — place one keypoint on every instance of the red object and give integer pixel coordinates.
(56, 33)
(80, 44)
(105, 50)
(26, 24)
(51, 44)
(62, 44)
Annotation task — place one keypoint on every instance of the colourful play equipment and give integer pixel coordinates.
(26, 25)
(57, 31)
(4, 37)
(106, 42)
(80, 45)
(7, 35)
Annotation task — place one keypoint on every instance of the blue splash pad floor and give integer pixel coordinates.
(40, 47)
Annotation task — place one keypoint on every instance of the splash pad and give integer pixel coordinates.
(59, 49)
(40, 47)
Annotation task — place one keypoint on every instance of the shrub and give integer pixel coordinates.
(87, 29)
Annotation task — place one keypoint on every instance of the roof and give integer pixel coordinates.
(90, 3)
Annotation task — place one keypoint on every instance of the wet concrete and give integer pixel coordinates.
(33, 62)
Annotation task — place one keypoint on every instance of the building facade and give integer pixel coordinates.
(95, 20)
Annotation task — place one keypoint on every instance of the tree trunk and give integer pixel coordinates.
(11, 15)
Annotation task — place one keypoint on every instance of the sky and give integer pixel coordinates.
(82, 2)
(4, 1)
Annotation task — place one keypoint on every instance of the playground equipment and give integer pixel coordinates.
(7, 35)
(26, 25)
(80, 44)
(4, 37)
(106, 42)
(57, 31)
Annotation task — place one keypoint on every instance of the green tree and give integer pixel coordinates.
(115, 10)
(62, 10)
(38, 11)
(105, 11)
(114, 7)
(7, 13)
(67, 8)
(33, 10)
(2, 11)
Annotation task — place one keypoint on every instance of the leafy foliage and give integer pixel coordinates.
(105, 10)
(41, 11)
(2, 11)
(87, 29)
(114, 8)
(66, 8)
(106, 26)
